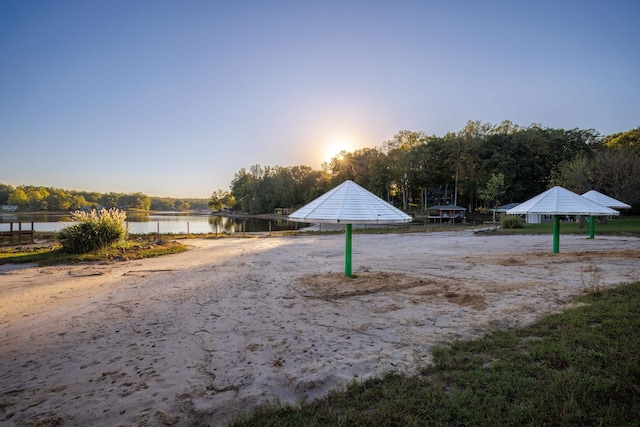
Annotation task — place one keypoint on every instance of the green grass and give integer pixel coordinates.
(53, 254)
(577, 368)
(616, 226)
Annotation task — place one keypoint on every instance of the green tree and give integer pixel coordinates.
(398, 150)
(430, 169)
(493, 191)
(78, 201)
(135, 201)
(264, 199)
(109, 200)
(59, 200)
(310, 183)
(629, 140)
(37, 198)
(241, 188)
(615, 172)
(162, 203)
(284, 187)
(221, 199)
(465, 152)
(245, 188)
(339, 168)
(182, 205)
(19, 197)
(5, 191)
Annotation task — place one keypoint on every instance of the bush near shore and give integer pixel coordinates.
(94, 230)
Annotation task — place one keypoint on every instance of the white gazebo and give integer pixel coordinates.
(348, 204)
(605, 200)
(559, 201)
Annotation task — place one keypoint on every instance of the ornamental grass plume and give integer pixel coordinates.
(94, 230)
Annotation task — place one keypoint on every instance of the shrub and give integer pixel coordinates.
(94, 230)
(511, 222)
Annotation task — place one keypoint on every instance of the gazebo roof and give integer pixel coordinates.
(506, 207)
(560, 201)
(349, 203)
(446, 208)
(605, 200)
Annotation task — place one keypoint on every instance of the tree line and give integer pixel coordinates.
(480, 166)
(34, 198)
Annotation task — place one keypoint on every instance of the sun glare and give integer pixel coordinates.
(334, 148)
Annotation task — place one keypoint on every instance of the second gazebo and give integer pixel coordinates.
(348, 204)
(558, 201)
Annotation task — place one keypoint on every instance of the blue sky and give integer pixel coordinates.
(172, 98)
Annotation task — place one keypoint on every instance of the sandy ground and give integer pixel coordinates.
(202, 336)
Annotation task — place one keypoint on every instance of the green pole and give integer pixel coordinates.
(556, 234)
(592, 226)
(347, 254)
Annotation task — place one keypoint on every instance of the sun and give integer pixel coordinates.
(336, 146)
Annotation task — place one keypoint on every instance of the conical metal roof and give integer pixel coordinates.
(560, 201)
(446, 208)
(605, 200)
(349, 203)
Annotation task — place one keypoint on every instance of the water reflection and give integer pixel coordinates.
(162, 222)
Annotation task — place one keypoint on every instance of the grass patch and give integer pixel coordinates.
(580, 367)
(54, 254)
(617, 226)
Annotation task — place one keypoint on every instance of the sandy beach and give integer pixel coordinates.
(202, 336)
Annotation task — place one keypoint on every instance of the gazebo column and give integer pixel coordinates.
(556, 234)
(592, 226)
(347, 252)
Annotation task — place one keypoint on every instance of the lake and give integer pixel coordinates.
(164, 222)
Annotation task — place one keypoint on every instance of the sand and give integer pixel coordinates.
(205, 335)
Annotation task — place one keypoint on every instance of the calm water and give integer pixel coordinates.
(165, 222)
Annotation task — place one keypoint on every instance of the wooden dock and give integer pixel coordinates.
(12, 232)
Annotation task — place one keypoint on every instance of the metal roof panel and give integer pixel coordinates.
(605, 200)
(560, 201)
(349, 203)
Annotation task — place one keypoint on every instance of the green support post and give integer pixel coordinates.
(592, 226)
(556, 234)
(347, 254)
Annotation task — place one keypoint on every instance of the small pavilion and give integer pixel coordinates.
(349, 204)
(558, 201)
(503, 209)
(447, 213)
